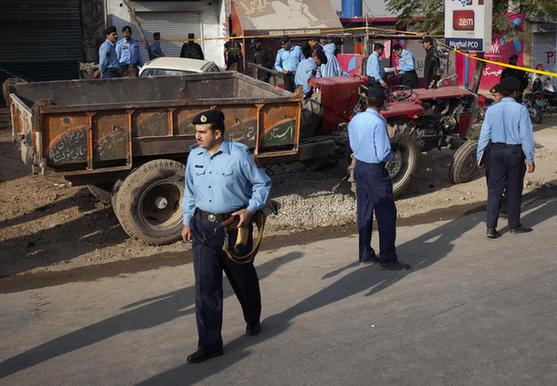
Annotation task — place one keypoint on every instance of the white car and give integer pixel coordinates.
(170, 66)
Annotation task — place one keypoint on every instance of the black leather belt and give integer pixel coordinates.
(212, 217)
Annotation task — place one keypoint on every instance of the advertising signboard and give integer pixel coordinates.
(468, 24)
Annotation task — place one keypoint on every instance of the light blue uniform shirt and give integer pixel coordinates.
(107, 57)
(305, 71)
(288, 60)
(407, 62)
(128, 52)
(332, 68)
(368, 137)
(227, 181)
(507, 122)
(374, 68)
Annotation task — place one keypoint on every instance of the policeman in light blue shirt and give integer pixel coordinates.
(506, 147)
(331, 67)
(222, 181)
(109, 66)
(370, 145)
(287, 60)
(155, 50)
(128, 53)
(406, 66)
(374, 68)
(307, 70)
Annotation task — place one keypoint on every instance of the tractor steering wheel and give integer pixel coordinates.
(400, 93)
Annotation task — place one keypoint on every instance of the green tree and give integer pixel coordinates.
(433, 13)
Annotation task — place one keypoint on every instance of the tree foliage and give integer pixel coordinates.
(431, 13)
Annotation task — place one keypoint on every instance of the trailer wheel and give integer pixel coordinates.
(101, 192)
(464, 166)
(149, 202)
(401, 168)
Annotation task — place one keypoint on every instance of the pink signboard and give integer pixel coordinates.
(351, 63)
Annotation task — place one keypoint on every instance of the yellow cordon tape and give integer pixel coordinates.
(328, 31)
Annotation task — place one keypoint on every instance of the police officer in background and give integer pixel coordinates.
(374, 68)
(507, 139)
(406, 66)
(129, 56)
(307, 70)
(155, 50)
(520, 75)
(287, 60)
(222, 180)
(191, 49)
(370, 145)
(109, 66)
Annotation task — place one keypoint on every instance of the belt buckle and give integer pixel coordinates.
(211, 217)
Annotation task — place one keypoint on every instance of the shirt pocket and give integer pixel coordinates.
(198, 177)
(226, 176)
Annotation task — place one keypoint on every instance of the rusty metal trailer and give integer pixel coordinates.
(128, 139)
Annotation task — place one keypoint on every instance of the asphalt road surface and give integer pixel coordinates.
(470, 311)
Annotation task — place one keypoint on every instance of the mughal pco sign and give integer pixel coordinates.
(468, 24)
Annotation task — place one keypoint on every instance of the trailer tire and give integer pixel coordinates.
(101, 192)
(401, 168)
(464, 166)
(149, 202)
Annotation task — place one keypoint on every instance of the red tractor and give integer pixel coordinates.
(418, 120)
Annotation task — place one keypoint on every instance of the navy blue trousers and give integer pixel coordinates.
(506, 171)
(374, 194)
(209, 261)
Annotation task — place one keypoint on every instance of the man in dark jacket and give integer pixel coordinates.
(191, 49)
(431, 63)
(264, 57)
(520, 75)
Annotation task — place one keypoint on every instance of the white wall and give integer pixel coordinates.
(213, 20)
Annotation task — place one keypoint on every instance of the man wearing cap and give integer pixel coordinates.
(307, 70)
(370, 146)
(155, 50)
(406, 66)
(508, 140)
(374, 68)
(286, 62)
(129, 56)
(191, 49)
(109, 66)
(222, 180)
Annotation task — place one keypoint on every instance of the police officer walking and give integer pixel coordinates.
(374, 68)
(109, 66)
(128, 52)
(507, 139)
(406, 66)
(287, 60)
(222, 180)
(370, 145)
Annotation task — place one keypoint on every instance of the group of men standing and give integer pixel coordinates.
(119, 57)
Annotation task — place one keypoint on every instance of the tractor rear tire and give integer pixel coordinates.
(149, 202)
(464, 166)
(401, 168)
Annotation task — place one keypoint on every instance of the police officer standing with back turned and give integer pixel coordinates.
(508, 141)
(370, 145)
(222, 180)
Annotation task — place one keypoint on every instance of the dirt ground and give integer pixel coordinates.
(47, 225)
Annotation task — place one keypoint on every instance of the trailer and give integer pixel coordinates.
(128, 139)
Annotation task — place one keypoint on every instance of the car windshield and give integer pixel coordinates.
(164, 72)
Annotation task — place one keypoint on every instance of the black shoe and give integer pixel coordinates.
(373, 260)
(521, 229)
(253, 329)
(492, 233)
(203, 355)
(394, 266)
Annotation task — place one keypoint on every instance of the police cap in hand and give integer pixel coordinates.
(214, 117)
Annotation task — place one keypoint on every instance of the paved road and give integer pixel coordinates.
(471, 311)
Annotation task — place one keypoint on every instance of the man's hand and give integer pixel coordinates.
(480, 164)
(530, 167)
(244, 215)
(186, 233)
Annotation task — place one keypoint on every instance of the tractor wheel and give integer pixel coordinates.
(149, 202)
(537, 115)
(102, 192)
(401, 168)
(464, 166)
